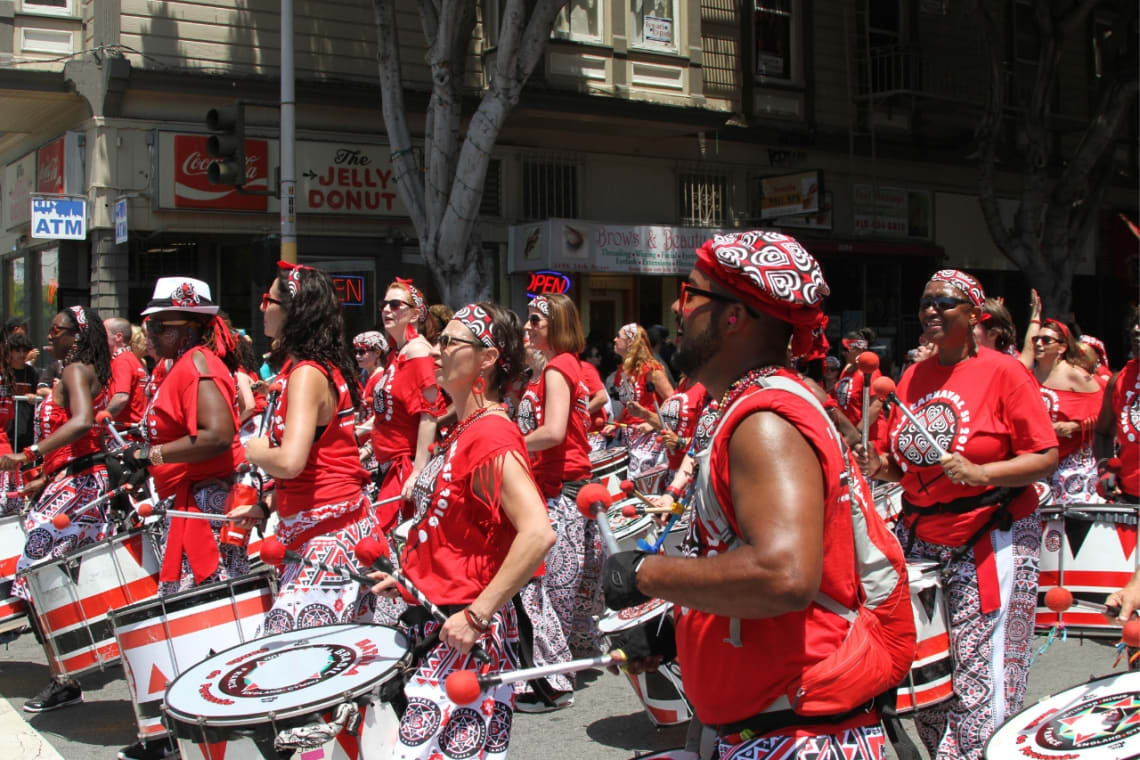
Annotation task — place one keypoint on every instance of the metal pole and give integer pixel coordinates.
(288, 139)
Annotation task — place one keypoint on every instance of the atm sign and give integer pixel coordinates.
(349, 289)
(547, 282)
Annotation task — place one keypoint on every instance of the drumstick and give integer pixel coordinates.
(273, 552)
(884, 387)
(62, 520)
(594, 502)
(146, 510)
(372, 553)
(104, 418)
(868, 362)
(1060, 599)
(633, 510)
(464, 686)
(628, 489)
(271, 399)
(389, 500)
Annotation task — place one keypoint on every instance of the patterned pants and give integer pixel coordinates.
(549, 602)
(233, 562)
(646, 452)
(307, 597)
(434, 727)
(585, 640)
(865, 743)
(1074, 480)
(10, 482)
(991, 652)
(63, 495)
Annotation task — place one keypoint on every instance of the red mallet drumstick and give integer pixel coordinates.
(868, 362)
(628, 489)
(594, 502)
(104, 418)
(1060, 599)
(374, 554)
(146, 510)
(884, 387)
(633, 510)
(271, 399)
(1131, 633)
(464, 686)
(62, 520)
(273, 552)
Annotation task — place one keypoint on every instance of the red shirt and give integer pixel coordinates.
(128, 375)
(592, 382)
(730, 687)
(680, 413)
(7, 406)
(987, 408)
(332, 472)
(1071, 406)
(569, 460)
(1126, 409)
(398, 401)
(459, 541)
(50, 418)
(634, 389)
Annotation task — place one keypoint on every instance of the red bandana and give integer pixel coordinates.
(966, 283)
(293, 279)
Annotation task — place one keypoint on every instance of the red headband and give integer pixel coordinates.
(1059, 327)
(966, 283)
(293, 279)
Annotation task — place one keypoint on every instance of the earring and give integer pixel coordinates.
(479, 385)
(731, 320)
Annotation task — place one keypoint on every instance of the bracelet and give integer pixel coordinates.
(673, 491)
(31, 452)
(1035, 321)
(482, 625)
(155, 456)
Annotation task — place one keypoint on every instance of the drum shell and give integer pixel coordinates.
(1089, 549)
(930, 679)
(660, 692)
(888, 502)
(652, 481)
(72, 596)
(628, 529)
(611, 467)
(160, 638)
(13, 610)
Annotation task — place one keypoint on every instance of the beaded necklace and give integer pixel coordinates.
(742, 384)
(467, 422)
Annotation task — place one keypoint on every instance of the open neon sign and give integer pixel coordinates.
(547, 282)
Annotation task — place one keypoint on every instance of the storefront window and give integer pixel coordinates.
(49, 284)
(655, 24)
(15, 289)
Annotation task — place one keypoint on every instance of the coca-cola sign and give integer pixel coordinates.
(49, 168)
(192, 188)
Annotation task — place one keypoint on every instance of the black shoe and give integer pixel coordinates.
(55, 695)
(156, 749)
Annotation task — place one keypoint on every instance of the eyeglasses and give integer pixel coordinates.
(57, 330)
(394, 304)
(941, 303)
(1044, 340)
(446, 340)
(362, 351)
(157, 327)
(688, 290)
(267, 299)
(535, 319)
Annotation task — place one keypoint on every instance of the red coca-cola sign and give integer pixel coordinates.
(49, 168)
(192, 188)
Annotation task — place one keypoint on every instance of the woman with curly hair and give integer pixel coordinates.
(311, 453)
(73, 471)
(405, 400)
(637, 373)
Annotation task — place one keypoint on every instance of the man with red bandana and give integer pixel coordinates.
(767, 499)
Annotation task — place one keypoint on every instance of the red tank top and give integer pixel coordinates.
(459, 541)
(50, 417)
(727, 657)
(332, 472)
(634, 389)
(1071, 406)
(569, 460)
(398, 401)
(1126, 409)
(592, 382)
(129, 376)
(680, 413)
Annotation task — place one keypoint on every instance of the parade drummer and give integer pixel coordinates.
(480, 534)
(1118, 425)
(73, 471)
(972, 511)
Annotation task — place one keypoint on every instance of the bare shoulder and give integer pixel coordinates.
(417, 348)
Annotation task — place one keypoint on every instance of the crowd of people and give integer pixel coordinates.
(460, 440)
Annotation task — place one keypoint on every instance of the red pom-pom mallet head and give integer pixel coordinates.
(868, 362)
(1131, 633)
(883, 386)
(368, 550)
(61, 521)
(145, 510)
(102, 416)
(626, 487)
(276, 387)
(272, 551)
(629, 510)
(1058, 599)
(1114, 465)
(462, 687)
(593, 496)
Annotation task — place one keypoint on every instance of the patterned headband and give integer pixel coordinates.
(79, 315)
(966, 283)
(854, 344)
(1097, 345)
(293, 279)
(541, 304)
(372, 340)
(629, 332)
(476, 319)
(417, 298)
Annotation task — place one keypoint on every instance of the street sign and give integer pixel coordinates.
(59, 217)
(120, 221)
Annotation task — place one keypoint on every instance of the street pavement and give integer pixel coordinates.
(605, 723)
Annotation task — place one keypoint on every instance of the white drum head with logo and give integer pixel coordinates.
(288, 674)
(1099, 720)
(632, 616)
(623, 527)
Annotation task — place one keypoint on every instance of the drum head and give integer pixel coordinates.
(288, 674)
(623, 526)
(628, 618)
(1099, 720)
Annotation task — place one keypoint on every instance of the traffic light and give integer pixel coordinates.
(228, 145)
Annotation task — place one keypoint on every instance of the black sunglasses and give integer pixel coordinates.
(362, 351)
(941, 303)
(1044, 340)
(446, 340)
(394, 304)
(535, 319)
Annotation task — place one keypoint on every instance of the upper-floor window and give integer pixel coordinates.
(549, 188)
(777, 53)
(579, 20)
(703, 198)
(654, 24)
(50, 7)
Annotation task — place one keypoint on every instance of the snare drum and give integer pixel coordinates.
(256, 536)
(284, 691)
(652, 481)
(1098, 720)
(660, 691)
(1090, 549)
(72, 595)
(930, 679)
(163, 637)
(628, 529)
(611, 466)
(13, 611)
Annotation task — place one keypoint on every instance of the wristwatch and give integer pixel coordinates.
(32, 452)
(143, 453)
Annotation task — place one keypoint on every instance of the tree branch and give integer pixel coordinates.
(537, 35)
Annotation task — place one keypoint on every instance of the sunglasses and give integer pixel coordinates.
(156, 327)
(535, 319)
(941, 303)
(688, 290)
(57, 330)
(1044, 340)
(267, 299)
(362, 351)
(446, 340)
(394, 304)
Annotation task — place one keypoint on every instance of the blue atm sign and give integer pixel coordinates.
(57, 217)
